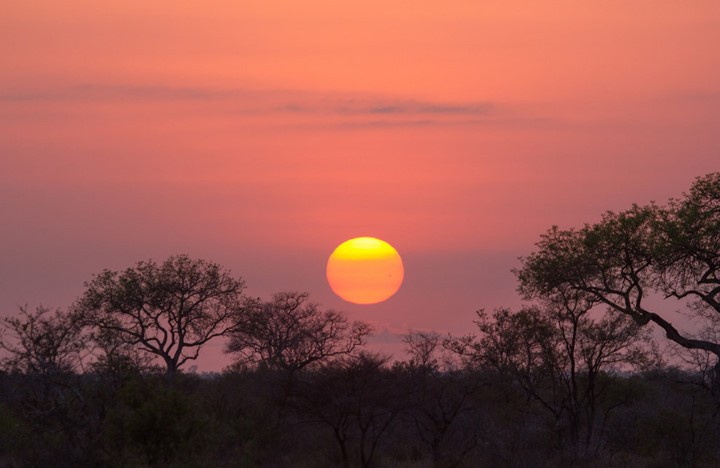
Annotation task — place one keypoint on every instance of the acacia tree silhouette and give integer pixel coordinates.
(42, 343)
(169, 310)
(671, 250)
(289, 333)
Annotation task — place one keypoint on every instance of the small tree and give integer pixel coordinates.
(423, 347)
(440, 394)
(289, 333)
(45, 351)
(358, 399)
(41, 343)
(169, 310)
(560, 359)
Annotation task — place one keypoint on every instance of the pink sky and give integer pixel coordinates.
(261, 134)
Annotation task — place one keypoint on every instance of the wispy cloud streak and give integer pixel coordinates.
(249, 100)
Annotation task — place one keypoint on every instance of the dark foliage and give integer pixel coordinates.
(355, 413)
(168, 311)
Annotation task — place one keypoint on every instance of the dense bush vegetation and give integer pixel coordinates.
(359, 412)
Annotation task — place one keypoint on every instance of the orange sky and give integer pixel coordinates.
(261, 134)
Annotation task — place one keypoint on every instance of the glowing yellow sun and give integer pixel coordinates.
(365, 270)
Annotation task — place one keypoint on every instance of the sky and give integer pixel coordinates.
(262, 134)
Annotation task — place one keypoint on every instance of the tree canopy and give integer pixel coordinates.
(42, 342)
(290, 333)
(670, 250)
(169, 310)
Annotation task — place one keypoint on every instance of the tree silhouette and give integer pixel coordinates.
(169, 310)
(559, 357)
(440, 393)
(289, 333)
(357, 398)
(45, 350)
(42, 342)
(628, 257)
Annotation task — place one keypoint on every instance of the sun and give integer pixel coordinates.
(365, 270)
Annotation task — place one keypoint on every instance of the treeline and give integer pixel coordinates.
(575, 378)
(432, 409)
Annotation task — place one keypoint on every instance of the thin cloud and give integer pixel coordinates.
(416, 107)
(295, 109)
(93, 92)
(249, 100)
(425, 108)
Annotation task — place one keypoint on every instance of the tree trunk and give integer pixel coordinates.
(715, 379)
(343, 448)
(170, 372)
